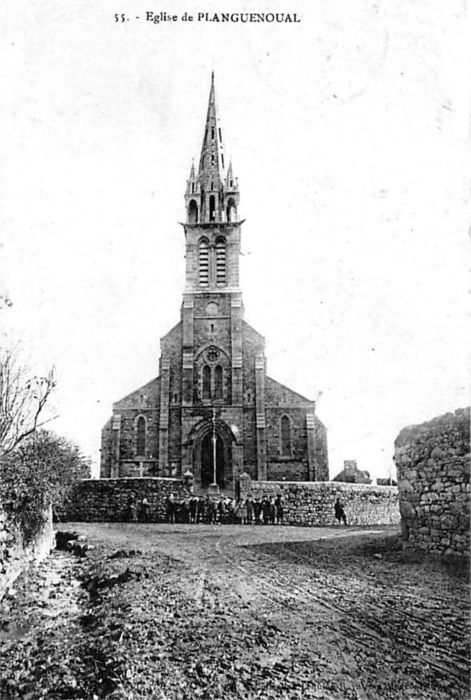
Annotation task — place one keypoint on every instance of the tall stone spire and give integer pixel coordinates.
(212, 167)
(212, 195)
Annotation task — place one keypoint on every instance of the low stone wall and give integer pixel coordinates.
(14, 556)
(306, 503)
(106, 500)
(433, 464)
(312, 502)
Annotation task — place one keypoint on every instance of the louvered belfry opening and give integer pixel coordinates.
(203, 260)
(221, 261)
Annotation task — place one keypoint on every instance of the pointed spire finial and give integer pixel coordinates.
(212, 166)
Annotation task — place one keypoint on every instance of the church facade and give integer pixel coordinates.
(212, 410)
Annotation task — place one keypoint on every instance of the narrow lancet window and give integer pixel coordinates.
(212, 208)
(206, 382)
(193, 212)
(218, 393)
(285, 437)
(141, 437)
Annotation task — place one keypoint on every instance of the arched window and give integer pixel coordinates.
(221, 261)
(141, 437)
(218, 393)
(193, 212)
(231, 209)
(212, 208)
(285, 437)
(203, 262)
(206, 382)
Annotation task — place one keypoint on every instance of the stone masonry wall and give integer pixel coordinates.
(433, 464)
(106, 500)
(14, 555)
(306, 503)
(286, 468)
(312, 502)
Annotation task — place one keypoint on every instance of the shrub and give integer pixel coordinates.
(40, 472)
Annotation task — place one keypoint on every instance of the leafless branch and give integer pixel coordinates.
(23, 398)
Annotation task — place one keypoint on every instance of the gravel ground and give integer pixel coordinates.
(181, 611)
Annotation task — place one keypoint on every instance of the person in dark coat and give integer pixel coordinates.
(210, 509)
(185, 510)
(279, 510)
(170, 508)
(266, 510)
(257, 509)
(222, 510)
(132, 508)
(339, 512)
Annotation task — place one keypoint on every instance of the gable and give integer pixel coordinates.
(253, 342)
(146, 396)
(171, 342)
(276, 393)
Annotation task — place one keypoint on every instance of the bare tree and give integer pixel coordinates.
(23, 398)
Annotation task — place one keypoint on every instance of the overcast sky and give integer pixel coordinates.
(349, 133)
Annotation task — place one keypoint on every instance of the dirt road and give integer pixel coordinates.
(185, 611)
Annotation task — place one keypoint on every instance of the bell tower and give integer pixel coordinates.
(212, 310)
(212, 228)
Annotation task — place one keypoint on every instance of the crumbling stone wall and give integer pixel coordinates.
(433, 464)
(312, 503)
(14, 555)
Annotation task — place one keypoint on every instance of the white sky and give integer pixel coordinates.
(349, 134)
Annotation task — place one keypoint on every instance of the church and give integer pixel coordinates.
(213, 411)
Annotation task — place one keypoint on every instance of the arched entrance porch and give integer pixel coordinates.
(202, 454)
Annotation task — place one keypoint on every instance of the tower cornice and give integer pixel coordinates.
(226, 225)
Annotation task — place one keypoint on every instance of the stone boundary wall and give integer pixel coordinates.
(306, 503)
(106, 500)
(312, 502)
(433, 465)
(14, 556)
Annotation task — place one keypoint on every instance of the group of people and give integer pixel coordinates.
(137, 511)
(223, 510)
(243, 511)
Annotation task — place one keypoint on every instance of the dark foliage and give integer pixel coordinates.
(40, 473)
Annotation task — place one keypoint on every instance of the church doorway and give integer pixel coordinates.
(207, 461)
(200, 453)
